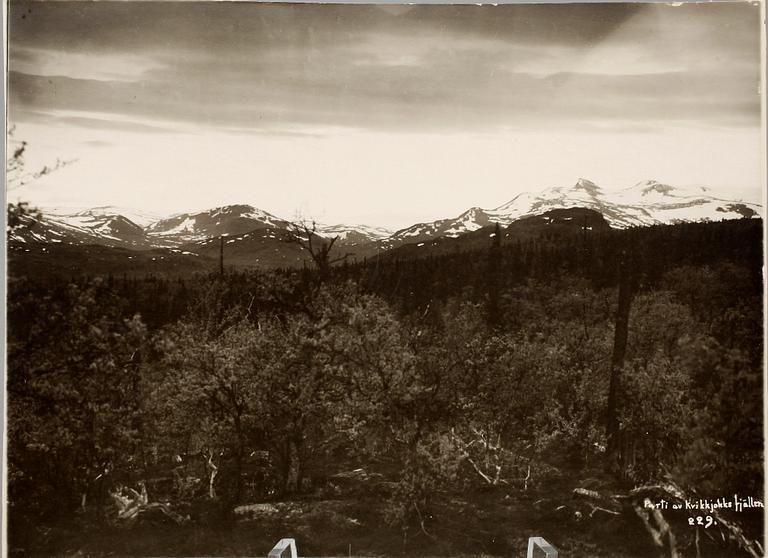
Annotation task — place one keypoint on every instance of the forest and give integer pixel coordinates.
(450, 405)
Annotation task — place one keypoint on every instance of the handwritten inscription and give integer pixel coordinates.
(736, 504)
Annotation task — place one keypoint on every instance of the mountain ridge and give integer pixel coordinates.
(647, 202)
(621, 208)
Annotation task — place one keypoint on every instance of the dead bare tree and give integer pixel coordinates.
(17, 173)
(212, 470)
(626, 293)
(491, 465)
(20, 214)
(489, 458)
(318, 247)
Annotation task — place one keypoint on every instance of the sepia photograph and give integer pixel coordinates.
(371, 280)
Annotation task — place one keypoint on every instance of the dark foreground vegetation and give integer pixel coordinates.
(449, 405)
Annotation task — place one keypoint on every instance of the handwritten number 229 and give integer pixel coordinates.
(707, 521)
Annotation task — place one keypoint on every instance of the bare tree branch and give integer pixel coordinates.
(316, 245)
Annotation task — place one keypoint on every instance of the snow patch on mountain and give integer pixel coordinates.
(185, 226)
(647, 203)
(219, 221)
(76, 214)
(353, 232)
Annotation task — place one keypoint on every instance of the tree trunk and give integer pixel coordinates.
(293, 470)
(211, 470)
(621, 334)
(493, 305)
(239, 457)
(221, 256)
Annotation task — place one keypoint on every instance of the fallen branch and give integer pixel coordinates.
(600, 509)
(131, 503)
(657, 527)
(736, 534)
(641, 501)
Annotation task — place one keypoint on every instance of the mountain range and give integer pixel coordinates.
(254, 236)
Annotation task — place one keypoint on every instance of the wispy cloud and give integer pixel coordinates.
(368, 69)
(96, 65)
(330, 97)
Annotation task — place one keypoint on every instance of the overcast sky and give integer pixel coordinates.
(379, 115)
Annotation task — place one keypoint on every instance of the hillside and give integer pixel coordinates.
(256, 236)
(504, 344)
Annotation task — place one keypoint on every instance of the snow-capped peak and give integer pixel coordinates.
(649, 186)
(648, 202)
(140, 218)
(587, 185)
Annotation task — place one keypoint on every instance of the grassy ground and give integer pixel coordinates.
(487, 525)
(469, 523)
